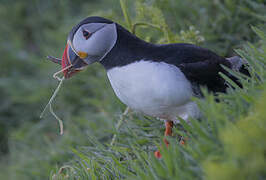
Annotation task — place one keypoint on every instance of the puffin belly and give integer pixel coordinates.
(153, 88)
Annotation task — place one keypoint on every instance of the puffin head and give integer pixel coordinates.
(88, 42)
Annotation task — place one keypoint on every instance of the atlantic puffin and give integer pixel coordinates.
(157, 80)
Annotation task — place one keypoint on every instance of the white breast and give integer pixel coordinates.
(156, 89)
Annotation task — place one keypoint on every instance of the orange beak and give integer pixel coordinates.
(71, 62)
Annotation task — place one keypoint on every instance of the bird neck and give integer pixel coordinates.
(128, 49)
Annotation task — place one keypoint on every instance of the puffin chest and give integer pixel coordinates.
(147, 85)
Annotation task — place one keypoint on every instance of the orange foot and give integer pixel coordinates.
(157, 154)
(183, 140)
(168, 132)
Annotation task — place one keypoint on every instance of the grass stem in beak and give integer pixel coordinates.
(50, 105)
(54, 59)
(62, 70)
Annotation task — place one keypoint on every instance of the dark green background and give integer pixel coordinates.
(30, 30)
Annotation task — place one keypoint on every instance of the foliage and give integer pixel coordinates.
(243, 142)
(32, 149)
(244, 148)
(224, 24)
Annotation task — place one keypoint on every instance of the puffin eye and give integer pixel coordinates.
(86, 34)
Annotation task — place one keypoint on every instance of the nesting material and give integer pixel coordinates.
(49, 104)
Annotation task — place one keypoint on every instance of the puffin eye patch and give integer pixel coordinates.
(86, 34)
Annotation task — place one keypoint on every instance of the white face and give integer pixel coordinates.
(95, 40)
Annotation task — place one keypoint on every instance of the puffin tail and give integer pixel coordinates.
(239, 64)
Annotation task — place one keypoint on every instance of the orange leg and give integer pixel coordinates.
(168, 132)
(183, 141)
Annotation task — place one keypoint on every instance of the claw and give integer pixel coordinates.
(157, 154)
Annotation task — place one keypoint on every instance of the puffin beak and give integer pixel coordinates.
(71, 62)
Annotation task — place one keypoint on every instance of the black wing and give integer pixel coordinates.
(206, 73)
(201, 66)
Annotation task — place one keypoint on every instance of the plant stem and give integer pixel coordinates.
(134, 27)
(49, 104)
(125, 13)
(118, 125)
(167, 34)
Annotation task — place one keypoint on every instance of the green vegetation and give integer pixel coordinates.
(227, 143)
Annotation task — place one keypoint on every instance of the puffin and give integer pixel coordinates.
(158, 80)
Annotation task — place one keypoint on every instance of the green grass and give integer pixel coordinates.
(223, 144)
